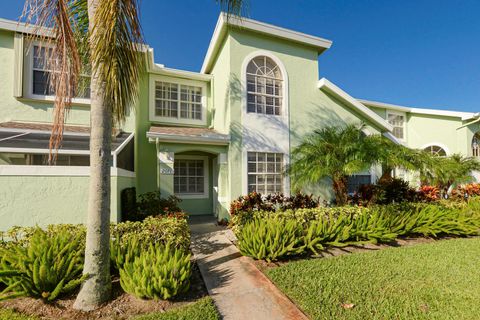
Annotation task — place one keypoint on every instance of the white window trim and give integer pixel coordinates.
(437, 144)
(404, 115)
(206, 191)
(284, 112)
(28, 78)
(178, 120)
(286, 179)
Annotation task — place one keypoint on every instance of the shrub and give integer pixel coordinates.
(275, 202)
(428, 194)
(48, 265)
(160, 272)
(152, 230)
(23, 235)
(129, 239)
(270, 239)
(152, 204)
(264, 234)
(394, 190)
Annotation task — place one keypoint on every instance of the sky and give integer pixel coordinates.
(418, 53)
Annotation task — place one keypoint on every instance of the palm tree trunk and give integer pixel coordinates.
(340, 190)
(97, 287)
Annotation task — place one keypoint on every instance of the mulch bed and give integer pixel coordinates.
(122, 306)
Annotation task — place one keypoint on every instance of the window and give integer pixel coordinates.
(173, 100)
(436, 151)
(189, 177)
(397, 120)
(265, 172)
(42, 159)
(355, 181)
(41, 75)
(476, 145)
(264, 86)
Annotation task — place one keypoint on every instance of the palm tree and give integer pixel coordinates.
(334, 152)
(445, 172)
(107, 35)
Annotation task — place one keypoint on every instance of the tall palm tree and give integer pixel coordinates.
(107, 35)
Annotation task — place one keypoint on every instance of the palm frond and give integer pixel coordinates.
(236, 8)
(53, 28)
(115, 44)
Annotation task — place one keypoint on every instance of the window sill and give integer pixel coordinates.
(51, 99)
(178, 121)
(191, 196)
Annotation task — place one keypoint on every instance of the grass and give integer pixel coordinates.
(11, 315)
(439, 280)
(203, 309)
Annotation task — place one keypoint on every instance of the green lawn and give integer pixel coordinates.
(203, 309)
(439, 280)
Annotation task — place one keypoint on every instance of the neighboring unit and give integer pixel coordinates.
(205, 137)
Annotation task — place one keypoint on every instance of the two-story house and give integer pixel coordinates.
(206, 137)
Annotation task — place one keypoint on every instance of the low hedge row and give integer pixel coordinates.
(49, 263)
(273, 235)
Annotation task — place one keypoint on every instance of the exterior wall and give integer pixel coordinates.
(308, 107)
(42, 199)
(20, 109)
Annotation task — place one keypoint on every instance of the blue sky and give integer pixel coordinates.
(423, 53)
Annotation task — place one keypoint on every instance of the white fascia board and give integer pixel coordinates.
(23, 27)
(437, 112)
(261, 27)
(170, 138)
(157, 68)
(328, 86)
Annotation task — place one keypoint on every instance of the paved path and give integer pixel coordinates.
(238, 288)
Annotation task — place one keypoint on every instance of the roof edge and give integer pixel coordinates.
(325, 84)
(439, 112)
(253, 25)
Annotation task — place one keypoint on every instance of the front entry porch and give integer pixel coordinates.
(192, 164)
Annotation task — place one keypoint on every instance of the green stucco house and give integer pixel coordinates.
(207, 137)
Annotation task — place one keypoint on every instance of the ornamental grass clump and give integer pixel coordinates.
(270, 239)
(160, 272)
(48, 266)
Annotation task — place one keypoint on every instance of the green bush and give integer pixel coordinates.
(160, 272)
(340, 226)
(152, 204)
(270, 239)
(129, 239)
(47, 266)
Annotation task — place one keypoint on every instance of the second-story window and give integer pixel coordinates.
(178, 101)
(397, 120)
(264, 86)
(41, 75)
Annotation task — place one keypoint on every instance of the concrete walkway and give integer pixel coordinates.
(238, 288)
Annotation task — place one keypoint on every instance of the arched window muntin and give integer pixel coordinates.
(436, 150)
(476, 145)
(264, 86)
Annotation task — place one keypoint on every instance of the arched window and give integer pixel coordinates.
(436, 151)
(264, 86)
(476, 145)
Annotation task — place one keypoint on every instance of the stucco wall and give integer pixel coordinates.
(45, 199)
(309, 107)
(19, 109)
